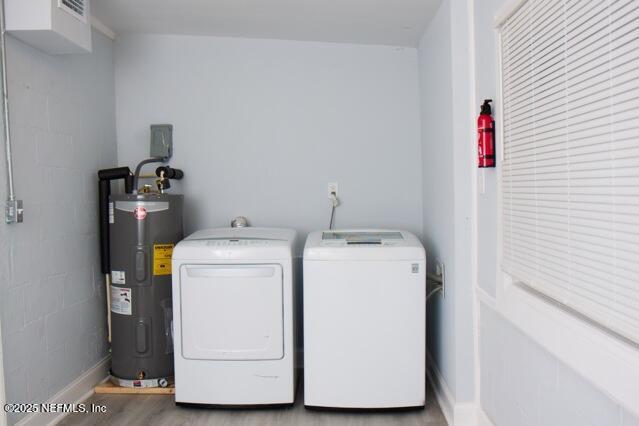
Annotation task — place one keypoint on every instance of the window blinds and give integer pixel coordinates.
(570, 170)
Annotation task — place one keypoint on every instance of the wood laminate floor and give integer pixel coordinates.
(161, 410)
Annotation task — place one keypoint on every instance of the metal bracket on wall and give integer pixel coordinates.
(13, 211)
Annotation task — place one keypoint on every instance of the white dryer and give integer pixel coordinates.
(364, 320)
(233, 317)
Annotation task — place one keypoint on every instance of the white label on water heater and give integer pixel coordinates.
(118, 277)
(121, 299)
(111, 213)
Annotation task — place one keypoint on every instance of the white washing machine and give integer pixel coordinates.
(364, 320)
(233, 317)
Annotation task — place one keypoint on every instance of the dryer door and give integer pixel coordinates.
(232, 312)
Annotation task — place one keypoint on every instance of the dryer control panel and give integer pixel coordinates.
(239, 242)
(236, 244)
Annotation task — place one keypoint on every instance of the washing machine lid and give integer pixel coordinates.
(363, 244)
(236, 244)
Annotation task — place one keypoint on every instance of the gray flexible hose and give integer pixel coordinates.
(433, 291)
(138, 169)
(330, 226)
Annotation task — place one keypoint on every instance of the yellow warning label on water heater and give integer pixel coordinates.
(162, 258)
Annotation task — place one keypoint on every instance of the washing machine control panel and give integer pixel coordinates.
(358, 238)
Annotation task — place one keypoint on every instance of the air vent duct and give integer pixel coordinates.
(53, 26)
(75, 8)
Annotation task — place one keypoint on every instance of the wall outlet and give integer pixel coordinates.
(332, 188)
(440, 270)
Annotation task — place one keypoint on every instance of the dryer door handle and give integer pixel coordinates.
(227, 271)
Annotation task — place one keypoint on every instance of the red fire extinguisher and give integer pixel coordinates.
(486, 133)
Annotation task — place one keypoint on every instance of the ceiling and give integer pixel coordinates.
(387, 22)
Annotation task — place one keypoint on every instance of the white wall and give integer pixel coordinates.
(447, 192)
(520, 382)
(261, 127)
(435, 67)
(463, 279)
(53, 307)
(486, 87)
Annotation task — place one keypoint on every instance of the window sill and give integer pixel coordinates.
(607, 362)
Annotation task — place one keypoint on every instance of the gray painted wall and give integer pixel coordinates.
(262, 126)
(463, 134)
(435, 67)
(447, 192)
(521, 383)
(53, 307)
(486, 87)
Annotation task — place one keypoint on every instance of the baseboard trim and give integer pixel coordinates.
(442, 393)
(76, 392)
(456, 414)
(465, 414)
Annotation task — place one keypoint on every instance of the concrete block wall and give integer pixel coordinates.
(51, 289)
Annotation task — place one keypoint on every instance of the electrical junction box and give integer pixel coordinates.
(53, 26)
(161, 140)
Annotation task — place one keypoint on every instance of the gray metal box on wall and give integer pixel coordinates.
(162, 140)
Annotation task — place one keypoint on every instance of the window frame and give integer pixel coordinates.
(608, 362)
